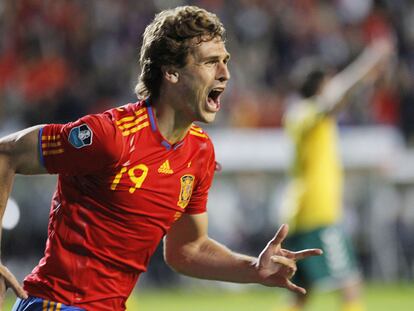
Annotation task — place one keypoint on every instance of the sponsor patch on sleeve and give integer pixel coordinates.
(80, 136)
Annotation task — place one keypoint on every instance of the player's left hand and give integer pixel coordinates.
(276, 266)
(7, 279)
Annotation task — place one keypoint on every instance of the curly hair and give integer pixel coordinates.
(168, 40)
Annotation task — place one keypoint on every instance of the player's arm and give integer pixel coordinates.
(19, 153)
(337, 88)
(189, 250)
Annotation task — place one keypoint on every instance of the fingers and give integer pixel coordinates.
(280, 235)
(12, 282)
(3, 289)
(288, 263)
(19, 291)
(303, 253)
(294, 288)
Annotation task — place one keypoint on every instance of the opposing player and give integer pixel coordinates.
(314, 199)
(134, 174)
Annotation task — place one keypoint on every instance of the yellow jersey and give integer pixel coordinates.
(314, 194)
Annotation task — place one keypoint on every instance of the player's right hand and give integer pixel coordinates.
(7, 279)
(276, 266)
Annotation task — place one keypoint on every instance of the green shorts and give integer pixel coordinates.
(336, 267)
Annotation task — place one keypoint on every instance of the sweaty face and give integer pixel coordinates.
(203, 79)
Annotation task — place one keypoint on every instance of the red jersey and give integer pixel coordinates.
(121, 186)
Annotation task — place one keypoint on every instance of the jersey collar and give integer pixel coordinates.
(154, 129)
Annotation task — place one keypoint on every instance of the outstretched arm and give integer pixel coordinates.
(337, 88)
(190, 251)
(18, 154)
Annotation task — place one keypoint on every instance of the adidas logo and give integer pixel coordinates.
(165, 168)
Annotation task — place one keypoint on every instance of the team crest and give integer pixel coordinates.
(80, 136)
(187, 183)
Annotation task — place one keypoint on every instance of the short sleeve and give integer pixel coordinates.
(198, 202)
(89, 145)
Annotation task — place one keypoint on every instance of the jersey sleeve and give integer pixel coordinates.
(198, 202)
(89, 145)
(301, 119)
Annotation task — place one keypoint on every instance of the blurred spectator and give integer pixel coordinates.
(61, 59)
(64, 58)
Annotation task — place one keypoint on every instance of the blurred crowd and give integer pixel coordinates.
(60, 59)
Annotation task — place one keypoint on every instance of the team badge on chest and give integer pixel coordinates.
(187, 183)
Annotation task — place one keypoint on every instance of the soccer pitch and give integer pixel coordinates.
(378, 297)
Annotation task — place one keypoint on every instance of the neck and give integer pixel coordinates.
(170, 121)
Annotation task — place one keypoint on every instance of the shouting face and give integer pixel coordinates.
(202, 80)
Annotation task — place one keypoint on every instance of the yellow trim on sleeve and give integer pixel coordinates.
(51, 145)
(53, 152)
(50, 137)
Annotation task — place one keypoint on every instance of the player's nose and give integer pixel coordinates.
(223, 73)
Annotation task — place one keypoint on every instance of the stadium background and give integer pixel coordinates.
(61, 59)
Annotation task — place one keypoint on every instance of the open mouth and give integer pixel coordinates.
(213, 101)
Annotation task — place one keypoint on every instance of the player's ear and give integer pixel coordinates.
(171, 74)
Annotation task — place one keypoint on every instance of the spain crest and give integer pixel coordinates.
(187, 183)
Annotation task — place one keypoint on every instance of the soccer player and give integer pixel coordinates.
(134, 174)
(314, 197)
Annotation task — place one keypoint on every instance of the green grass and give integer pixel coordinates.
(378, 297)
